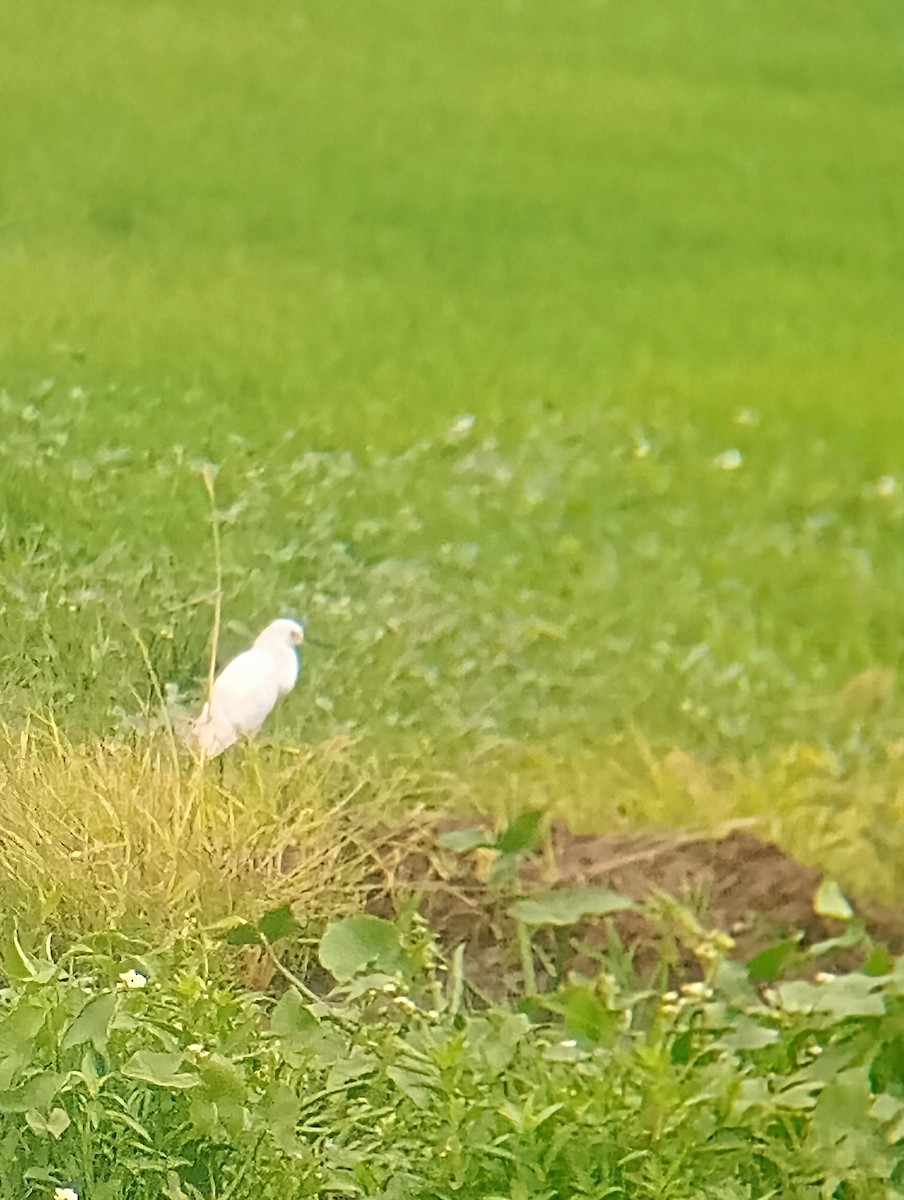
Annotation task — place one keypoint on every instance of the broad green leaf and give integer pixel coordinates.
(766, 966)
(886, 1108)
(752, 1093)
(463, 840)
(242, 935)
(852, 995)
(278, 923)
(829, 901)
(56, 1124)
(503, 870)
(748, 1035)
(18, 964)
(36, 1093)
(282, 1109)
(301, 1035)
(291, 1016)
(20, 1028)
(586, 1017)
(413, 1085)
(92, 1023)
(568, 906)
(160, 1068)
(203, 1114)
(353, 1067)
(837, 1126)
(520, 834)
(798, 1095)
(10, 1066)
(879, 962)
(233, 1117)
(496, 1041)
(360, 943)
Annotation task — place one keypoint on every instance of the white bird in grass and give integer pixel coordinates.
(247, 689)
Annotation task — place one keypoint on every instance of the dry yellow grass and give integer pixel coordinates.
(119, 834)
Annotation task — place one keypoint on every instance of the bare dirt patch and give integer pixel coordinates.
(748, 888)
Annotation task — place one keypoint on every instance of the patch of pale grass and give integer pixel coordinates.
(843, 815)
(848, 820)
(132, 835)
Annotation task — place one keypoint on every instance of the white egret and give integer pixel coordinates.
(247, 689)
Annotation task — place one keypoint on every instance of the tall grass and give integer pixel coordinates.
(116, 834)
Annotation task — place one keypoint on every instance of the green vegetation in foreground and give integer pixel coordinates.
(129, 1074)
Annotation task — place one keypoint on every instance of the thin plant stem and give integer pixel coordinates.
(208, 475)
(158, 692)
(527, 959)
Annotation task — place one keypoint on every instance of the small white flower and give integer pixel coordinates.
(886, 485)
(823, 977)
(460, 428)
(669, 997)
(729, 460)
(697, 990)
(390, 988)
(747, 418)
(132, 979)
(65, 1194)
(568, 1044)
(195, 1048)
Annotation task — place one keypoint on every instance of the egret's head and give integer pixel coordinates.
(283, 632)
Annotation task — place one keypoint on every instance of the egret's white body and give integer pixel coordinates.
(247, 689)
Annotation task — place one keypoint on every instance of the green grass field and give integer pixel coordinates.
(548, 360)
(300, 244)
(362, 218)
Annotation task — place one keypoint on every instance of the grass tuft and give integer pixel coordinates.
(107, 834)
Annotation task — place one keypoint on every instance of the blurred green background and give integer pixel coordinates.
(365, 215)
(301, 240)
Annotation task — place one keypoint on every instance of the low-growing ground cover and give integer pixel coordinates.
(127, 1072)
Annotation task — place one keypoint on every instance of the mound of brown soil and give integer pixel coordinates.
(748, 888)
